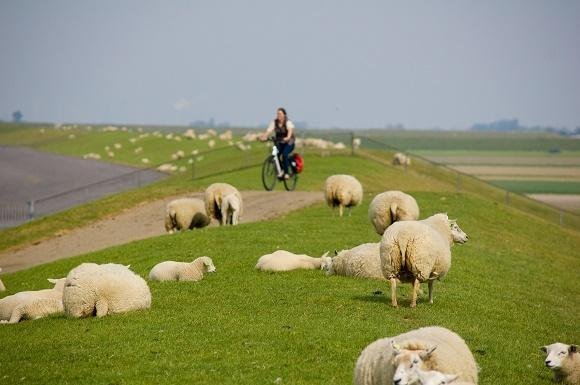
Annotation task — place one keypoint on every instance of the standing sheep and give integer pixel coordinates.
(282, 260)
(361, 261)
(392, 206)
(400, 159)
(564, 360)
(419, 251)
(2, 287)
(32, 304)
(231, 209)
(390, 360)
(185, 214)
(214, 195)
(92, 289)
(342, 191)
(182, 271)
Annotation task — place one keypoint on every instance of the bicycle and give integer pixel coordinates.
(271, 168)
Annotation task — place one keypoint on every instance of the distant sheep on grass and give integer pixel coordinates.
(392, 206)
(32, 304)
(342, 191)
(214, 196)
(182, 271)
(362, 261)
(282, 260)
(185, 214)
(401, 159)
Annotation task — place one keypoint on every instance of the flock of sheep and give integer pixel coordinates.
(410, 251)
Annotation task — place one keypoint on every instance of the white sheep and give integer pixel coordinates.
(32, 304)
(231, 209)
(361, 261)
(214, 195)
(419, 251)
(400, 159)
(2, 287)
(435, 377)
(182, 271)
(392, 206)
(391, 360)
(282, 260)
(564, 361)
(185, 214)
(343, 191)
(92, 289)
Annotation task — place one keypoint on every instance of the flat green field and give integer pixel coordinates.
(539, 186)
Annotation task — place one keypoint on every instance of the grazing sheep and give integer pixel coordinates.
(214, 195)
(390, 360)
(2, 287)
(282, 260)
(182, 271)
(400, 159)
(564, 360)
(92, 289)
(419, 251)
(185, 214)
(32, 304)
(231, 209)
(343, 191)
(392, 206)
(361, 261)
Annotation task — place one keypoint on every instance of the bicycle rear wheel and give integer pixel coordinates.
(290, 183)
(269, 174)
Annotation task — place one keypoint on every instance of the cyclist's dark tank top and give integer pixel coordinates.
(281, 132)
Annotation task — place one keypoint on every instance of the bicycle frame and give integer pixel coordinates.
(275, 153)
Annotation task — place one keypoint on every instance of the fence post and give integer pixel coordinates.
(561, 217)
(458, 185)
(31, 209)
(352, 143)
(192, 167)
(507, 198)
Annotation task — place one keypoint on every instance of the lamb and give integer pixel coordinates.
(434, 377)
(343, 191)
(231, 209)
(214, 195)
(392, 206)
(2, 287)
(92, 289)
(564, 360)
(32, 304)
(390, 360)
(400, 159)
(282, 260)
(182, 271)
(361, 261)
(185, 214)
(419, 251)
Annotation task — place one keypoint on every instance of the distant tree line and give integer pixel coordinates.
(510, 125)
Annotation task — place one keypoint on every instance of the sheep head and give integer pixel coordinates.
(556, 353)
(433, 377)
(208, 264)
(459, 236)
(406, 361)
(326, 264)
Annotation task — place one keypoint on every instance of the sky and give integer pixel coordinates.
(349, 64)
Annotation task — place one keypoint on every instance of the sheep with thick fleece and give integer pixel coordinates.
(418, 251)
(400, 159)
(392, 206)
(343, 191)
(182, 271)
(231, 205)
(361, 261)
(564, 360)
(282, 260)
(32, 304)
(185, 214)
(2, 287)
(390, 360)
(92, 289)
(214, 195)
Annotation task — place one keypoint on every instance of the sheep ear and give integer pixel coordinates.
(427, 352)
(544, 349)
(573, 349)
(324, 255)
(52, 280)
(335, 252)
(396, 348)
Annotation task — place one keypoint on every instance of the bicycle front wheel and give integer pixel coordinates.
(269, 174)
(290, 183)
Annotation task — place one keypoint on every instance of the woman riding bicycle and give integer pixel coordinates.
(284, 130)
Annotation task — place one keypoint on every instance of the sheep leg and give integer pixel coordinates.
(394, 292)
(102, 308)
(340, 208)
(416, 287)
(17, 314)
(431, 282)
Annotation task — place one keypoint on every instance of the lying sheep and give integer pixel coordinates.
(214, 195)
(32, 304)
(282, 260)
(185, 214)
(182, 271)
(2, 287)
(361, 261)
(418, 251)
(390, 360)
(231, 209)
(343, 191)
(435, 377)
(392, 206)
(564, 360)
(400, 159)
(92, 289)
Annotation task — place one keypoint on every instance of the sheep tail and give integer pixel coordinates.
(394, 208)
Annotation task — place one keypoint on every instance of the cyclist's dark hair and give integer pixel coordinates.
(285, 116)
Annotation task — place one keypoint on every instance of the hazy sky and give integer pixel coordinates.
(349, 64)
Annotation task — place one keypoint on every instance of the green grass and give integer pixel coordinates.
(239, 326)
(538, 186)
